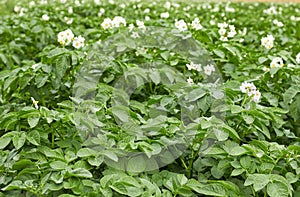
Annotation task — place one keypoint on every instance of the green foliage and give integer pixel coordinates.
(117, 116)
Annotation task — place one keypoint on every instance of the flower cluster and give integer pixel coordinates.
(141, 25)
(117, 21)
(226, 31)
(20, 10)
(250, 90)
(196, 24)
(181, 25)
(78, 42)
(271, 10)
(67, 36)
(277, 62)
(268, 42)
(193, 66)
(278, 23)
(164, 15)
(208, 69)
(45, 17)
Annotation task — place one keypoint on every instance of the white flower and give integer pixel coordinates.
(147, 10)
(167, 5)
(277, 62)
(268, 42)
(68, 20)
(278, 23)
(223, 38)
(101, 12)
(35, 103)
(65, 37)
(176, 5)
(265, 69)
(190, 80)
(232, 31)
(271, 10)
(164, 15)
(141, 25)
(43, 2)
(298, 58)
(226, 31)
(45, 17)
(31, 3)
(63, 1)
(78, 42)
(17, 8)
(70, 10)
(256, 96)
(229, 9)
(131, 27)
(135, 35)
(222, 31)
(123, 6)
(222, 25)
(248, 88)
(118, 21)
(196, 24)
(244, 32)
(107, 23)
(208, 69)
(147, 18)
(97, 2)
(181, 25)
(193, 66)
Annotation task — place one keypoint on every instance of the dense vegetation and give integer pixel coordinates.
(149, 98)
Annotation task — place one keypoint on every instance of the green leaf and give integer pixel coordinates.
(273, 100)
(277, 190)
(33, 121)
(219, 53)
(196, 94)
(237, 172)
(80, 172)
(109, 154)
(15, 185)
(221, 135)
(33, 137)
(261, 60)
(232, 148)
(86, 152)
(5, 140)
(232, 49)
(235, 109)
(248, 118)
(217, 172)
(136, 164)
(295, 108)
(155, 76)
(95, 161)
(165, 55)
(58, 165)
(203, 189)
(121, 113)
(19, 140)
(56, 52)
(22, 164)
(292, 178)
